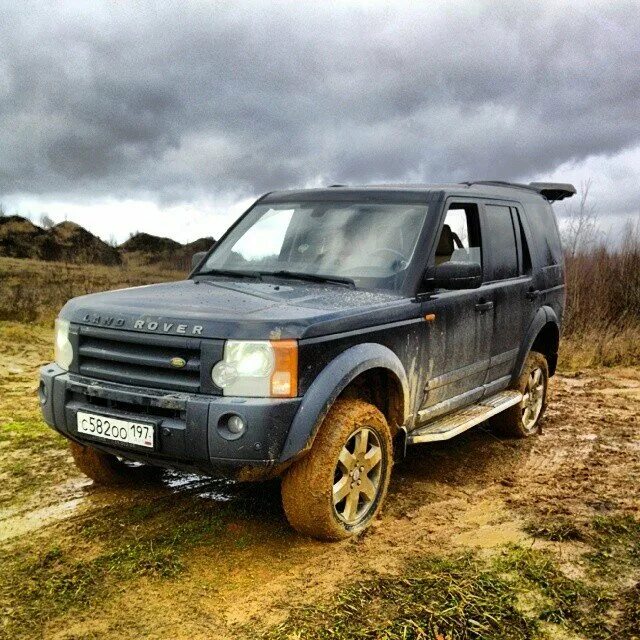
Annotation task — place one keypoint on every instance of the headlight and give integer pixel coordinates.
(258, 369)
(63, 349)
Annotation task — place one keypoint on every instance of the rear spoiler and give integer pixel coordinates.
(553, 191)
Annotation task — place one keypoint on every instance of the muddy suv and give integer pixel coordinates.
(324, 333)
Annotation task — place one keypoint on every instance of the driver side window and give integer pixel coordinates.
(460, 236)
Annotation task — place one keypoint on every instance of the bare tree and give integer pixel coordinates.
(3, 211)
(46, 222)
(581, 230)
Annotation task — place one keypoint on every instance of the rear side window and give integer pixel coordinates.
(523, 245)
(545, 232)
(499, 240)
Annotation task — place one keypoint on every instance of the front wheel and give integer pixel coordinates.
(338, 488)
(523, 419)
(104, 468)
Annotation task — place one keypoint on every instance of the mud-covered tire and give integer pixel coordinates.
(313, 483)
(512, 423)
(102, 468)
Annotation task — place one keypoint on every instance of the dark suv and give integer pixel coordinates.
(326, 331)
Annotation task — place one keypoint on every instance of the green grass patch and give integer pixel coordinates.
(33, 457)
(187, 520)
(616, 545)
(556, 531)
(521, 594)
(37, 585)
(618, 527)
(573, 604)
(614, 540)
(32, 434)
(41, 587)
(433, 598)
(629, 622)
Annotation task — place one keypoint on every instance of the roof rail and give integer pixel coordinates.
(552, 191)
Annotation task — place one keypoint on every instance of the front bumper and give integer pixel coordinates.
(187, 435)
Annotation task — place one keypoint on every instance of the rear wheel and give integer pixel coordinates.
(523, 419)
(102, 468)
(337, 489)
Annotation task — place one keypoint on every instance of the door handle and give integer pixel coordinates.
(484, 305)
(532, 294)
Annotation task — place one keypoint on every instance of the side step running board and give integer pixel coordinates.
(454, 423)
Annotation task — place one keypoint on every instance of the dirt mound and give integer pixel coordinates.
(69, 242)
(201, 244)
(147, 243)
(20, 238)
(146, 249)
(76, 244)
(66, 242)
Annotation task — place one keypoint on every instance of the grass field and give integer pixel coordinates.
(480, 538)
(34, 291)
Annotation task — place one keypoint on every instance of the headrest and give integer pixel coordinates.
(445, 245)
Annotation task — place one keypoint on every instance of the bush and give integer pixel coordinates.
(602, 318)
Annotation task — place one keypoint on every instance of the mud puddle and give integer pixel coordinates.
(78, 497)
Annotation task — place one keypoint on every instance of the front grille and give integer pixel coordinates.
(129, 407)
(144, 360)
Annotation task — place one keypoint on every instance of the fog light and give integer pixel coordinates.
(231, 426)
(235, 424)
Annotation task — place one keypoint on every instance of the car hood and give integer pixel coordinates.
(241, 310)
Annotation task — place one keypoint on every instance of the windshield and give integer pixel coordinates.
(369, 244)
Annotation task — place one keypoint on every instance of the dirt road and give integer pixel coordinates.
(188, 557)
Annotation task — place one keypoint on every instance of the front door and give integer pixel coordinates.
(461, 322)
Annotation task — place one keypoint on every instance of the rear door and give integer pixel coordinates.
(508, 276)
(461, 321)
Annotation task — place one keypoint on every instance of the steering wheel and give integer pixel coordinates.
(393, 252)
(400, 261)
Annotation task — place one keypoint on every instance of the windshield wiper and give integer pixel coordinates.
(231, 273)
(311, 277)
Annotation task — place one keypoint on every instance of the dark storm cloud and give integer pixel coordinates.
(126, 98)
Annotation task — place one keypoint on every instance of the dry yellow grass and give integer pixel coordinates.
(602, 320)
(34, 291)
(606, 347)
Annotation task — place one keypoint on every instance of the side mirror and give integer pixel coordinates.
(197, 258)
(458, 275)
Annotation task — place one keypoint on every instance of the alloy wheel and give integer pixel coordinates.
(533, 399)
(357, 476)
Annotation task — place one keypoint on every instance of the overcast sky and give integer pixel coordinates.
(171, 117)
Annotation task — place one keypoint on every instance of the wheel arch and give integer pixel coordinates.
(543, 336)
(382, 388)
(370, 369)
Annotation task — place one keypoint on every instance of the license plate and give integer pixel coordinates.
(106, 428)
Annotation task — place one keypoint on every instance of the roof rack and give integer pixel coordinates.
(552, 191)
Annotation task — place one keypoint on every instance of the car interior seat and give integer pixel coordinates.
(445, 247)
